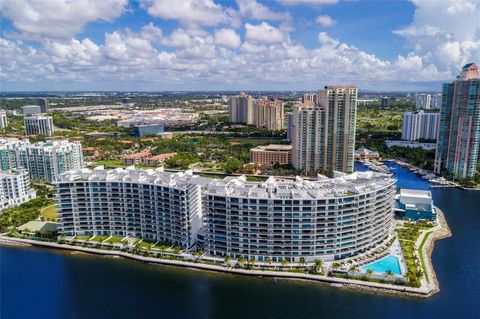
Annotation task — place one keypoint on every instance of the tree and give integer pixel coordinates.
(369, 273)
(389, 273)
(353, 269)
(319, 267)
(285, 262)
(232, 165)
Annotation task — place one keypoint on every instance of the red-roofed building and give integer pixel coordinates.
(159, 159)
(136, 158)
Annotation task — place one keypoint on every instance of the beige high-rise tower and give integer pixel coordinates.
(269, 114)
(324, 135)
(240, 109)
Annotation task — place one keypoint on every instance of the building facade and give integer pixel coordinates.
(423, 101)
(290, 126)
(31, 110)
(43, 103)
(15, 188)
(241, 109)
(3, 119)
(38, 125)
(436, 101)
(149, 129)
(385, 101)
(324, 135)
(458, 143)
(269, 155)
(150, 204)
(420, 125)
(269, 113)
(295, 220)
(43, 160)
(416, 204)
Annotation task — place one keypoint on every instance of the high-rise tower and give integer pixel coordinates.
(324, 135)
(459, 131)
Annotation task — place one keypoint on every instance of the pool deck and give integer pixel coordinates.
(395, 250)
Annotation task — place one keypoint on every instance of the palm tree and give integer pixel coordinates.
(369, 273)
(389, 273)
(353, 269)
(226, 260)
(285, 262)
(319, 267)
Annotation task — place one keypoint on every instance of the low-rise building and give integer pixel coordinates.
(269, 155)
(159, 159)
(147, 129)
(15, 188)
(364, 153)
(136, 158)
(416, 204)
(409, 144)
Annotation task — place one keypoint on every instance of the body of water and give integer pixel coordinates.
(40, 283)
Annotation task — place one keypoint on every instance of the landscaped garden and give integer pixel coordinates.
(408, 235)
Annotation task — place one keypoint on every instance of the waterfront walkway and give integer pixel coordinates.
(426, 289)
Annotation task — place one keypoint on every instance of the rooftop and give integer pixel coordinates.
(38, 226)
(273, 147)
(131, 174)
(137, 155)
(415, 193)
(323, 187)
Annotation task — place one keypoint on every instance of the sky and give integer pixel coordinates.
(157, 45)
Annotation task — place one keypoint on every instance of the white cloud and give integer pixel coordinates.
(444, 33)
(308, 2)
(58, 19)
(325, 21)
(251, 9)
(227, 38)
(192, 12)
(202, 53)
(263, 33)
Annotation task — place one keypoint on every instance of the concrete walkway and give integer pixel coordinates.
(347, 283)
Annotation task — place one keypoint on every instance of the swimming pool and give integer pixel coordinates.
(385, 264)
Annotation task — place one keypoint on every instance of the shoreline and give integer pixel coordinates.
(424, 291)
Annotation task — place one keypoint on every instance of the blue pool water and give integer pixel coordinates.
(385, 264)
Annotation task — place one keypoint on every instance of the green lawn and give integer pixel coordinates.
(99, 238)
(145, 244)
(115, 240)
(50, 212)
(420, 252)
(255, 141)
(82, 237)
(119, 163)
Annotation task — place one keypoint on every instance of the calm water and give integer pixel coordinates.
(37, 283)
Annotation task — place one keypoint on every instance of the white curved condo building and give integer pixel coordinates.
(298, 220)
(294, 220)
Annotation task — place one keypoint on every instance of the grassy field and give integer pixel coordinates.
(119, 163)
(254, 141)
(420, 252)
(50, 212)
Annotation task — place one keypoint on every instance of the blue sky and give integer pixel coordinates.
(235, 45)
